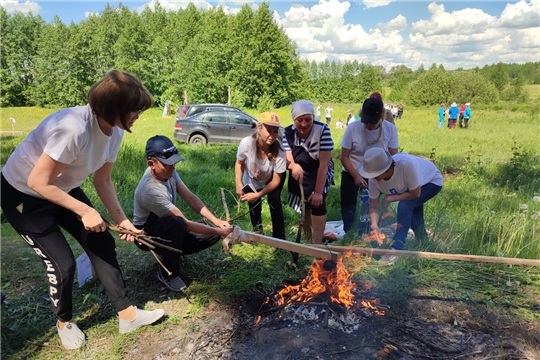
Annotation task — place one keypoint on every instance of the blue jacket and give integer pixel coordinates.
(453, 112)
(467, 113)
(441, 112)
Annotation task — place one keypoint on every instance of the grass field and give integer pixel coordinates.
(487, 207)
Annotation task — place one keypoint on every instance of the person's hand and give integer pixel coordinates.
(225, 231)
(93, 221)
(315, 199)
(377, 235)
(222, 224)
(297, 173)
(360, 182)
(126, 224)
(387, 215)
(250, 197)
(239, 190)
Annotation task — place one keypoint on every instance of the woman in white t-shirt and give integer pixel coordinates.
(260, 170)
(41, 193)
(409, 179)
(371, 131)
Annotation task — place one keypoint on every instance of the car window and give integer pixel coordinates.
(214, 116)
(239, 118)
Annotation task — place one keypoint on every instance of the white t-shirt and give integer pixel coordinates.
(354, 140)
(410, 172)
(71, 136)
(328, 112)
(154, 196)
(258, 172)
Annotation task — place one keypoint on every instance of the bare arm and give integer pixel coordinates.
(238, 171)
(346, 161)
(200, 228)
(107, 193)
(392, 151)
(271, 186)
(409, 195)
(40, 180)
(198, 206)
(296, 170)
(316, 198)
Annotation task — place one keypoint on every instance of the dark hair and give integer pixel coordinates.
(274, 148)
(117, 95)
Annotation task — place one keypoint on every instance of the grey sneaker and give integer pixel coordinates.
(388, 259)
(142, 318)
(175, 284)
(72, 337)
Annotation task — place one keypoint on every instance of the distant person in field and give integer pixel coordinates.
(462, 108)
(156, 213)
(318, 114)
(371, 131)
(410, 180)
(339, 124)
(351, 117)
(466, 115)
(442, 113)
(388, 112)
(41, 193)
(328, 114)
(453, 114)
(308, 145)
(260, 171)
(399, 111)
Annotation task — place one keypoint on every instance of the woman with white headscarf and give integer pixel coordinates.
(308, 146)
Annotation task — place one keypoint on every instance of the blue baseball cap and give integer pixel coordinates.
(162, 148)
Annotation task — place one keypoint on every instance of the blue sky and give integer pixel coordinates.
(382, 32)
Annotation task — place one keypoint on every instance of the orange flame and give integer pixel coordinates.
(336, 282)
(368, 305)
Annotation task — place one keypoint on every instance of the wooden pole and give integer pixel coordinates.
(292, 246)
(229, 95)
(185, 98)
(429, 255)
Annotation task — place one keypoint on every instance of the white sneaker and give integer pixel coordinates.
(142, 318)
(175, 284)
(72, 337)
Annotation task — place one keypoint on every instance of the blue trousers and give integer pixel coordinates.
(410, 215)
(441, 121)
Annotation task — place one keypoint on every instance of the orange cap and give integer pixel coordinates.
(269, 118)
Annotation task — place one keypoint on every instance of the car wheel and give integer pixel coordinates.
(197, 140)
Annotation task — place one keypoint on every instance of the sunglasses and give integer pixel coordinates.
(167, 153)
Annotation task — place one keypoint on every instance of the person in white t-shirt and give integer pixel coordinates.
(318, 113)
(328, 114)
(409, 179)
(371, 131)
(41, 193)
(260, 170)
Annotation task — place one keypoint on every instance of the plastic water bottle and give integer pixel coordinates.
(365, 223)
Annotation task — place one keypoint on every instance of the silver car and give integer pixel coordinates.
(216, 126)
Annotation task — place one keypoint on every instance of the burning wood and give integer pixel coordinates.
(326, 277)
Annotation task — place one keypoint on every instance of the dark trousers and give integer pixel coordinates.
(39, 222)
(410, 215)
(173, 231)
(349, 198)
(461, 119)
(276, 212)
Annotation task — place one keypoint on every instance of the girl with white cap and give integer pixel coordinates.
(409, 179)
(260, 170)
(308, 146)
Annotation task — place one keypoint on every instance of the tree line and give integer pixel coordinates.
(204, 52)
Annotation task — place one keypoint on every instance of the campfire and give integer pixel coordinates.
(326, 295)
(326, 280)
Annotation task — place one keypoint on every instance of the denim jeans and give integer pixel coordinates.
(410, 215)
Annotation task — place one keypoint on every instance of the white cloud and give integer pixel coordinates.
(12, 6)
(466, 38)
(398, 23)
(376, 3)
(88, 14)
(175, 5)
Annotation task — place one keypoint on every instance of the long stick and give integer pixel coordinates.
(227, 216)
(428, 255)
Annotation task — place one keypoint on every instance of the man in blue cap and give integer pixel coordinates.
(156, 212)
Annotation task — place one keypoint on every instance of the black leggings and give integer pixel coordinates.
(38, 221)
(276, 212)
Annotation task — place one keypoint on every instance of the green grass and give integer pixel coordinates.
(491, 169)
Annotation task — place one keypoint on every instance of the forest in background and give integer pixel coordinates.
(204, 52)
